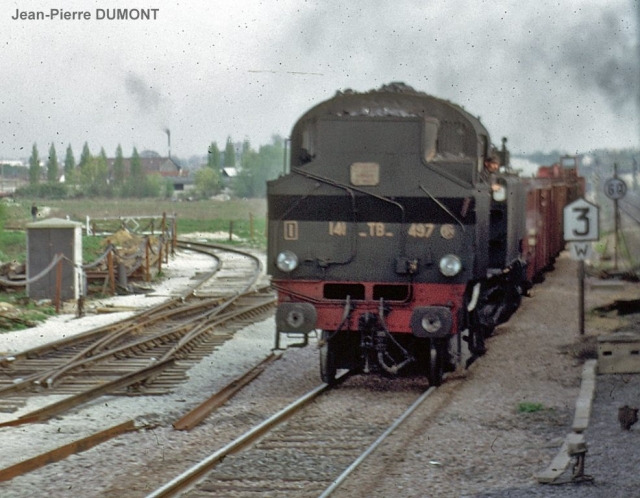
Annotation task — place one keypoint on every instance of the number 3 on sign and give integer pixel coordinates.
(581, 221)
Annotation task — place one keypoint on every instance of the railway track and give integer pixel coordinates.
(148, 353)
(306, 449)
(318, 453)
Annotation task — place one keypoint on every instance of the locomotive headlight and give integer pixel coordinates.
(450, 265)
(287, 261)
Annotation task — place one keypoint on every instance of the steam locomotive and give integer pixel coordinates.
(391, 237)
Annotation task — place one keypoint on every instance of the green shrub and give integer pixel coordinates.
(43, 191)
(529, 407)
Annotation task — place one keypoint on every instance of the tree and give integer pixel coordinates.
(246, 147)
(52, 165)
(102, 174)
(136, 173)
(169, 188)
(34, 166)
(88, 175)
(69, 166)
(246, 184)
(85, 156)
(136, 176)
(207, 182)
(229, 154)
(213, 156)
(118, 168)
(259, 167)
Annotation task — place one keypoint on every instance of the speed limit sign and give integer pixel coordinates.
(615, 188)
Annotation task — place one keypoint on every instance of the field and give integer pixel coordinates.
(246, 217)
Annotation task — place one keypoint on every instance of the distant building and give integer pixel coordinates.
(163, 166)
(13, 162)
(229, 172)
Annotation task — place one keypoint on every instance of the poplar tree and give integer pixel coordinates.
(136, 175)
(34, 166)
(52, 165)
(102, 173)
(229, 154)
(136, 172)
(213, 158)
(69, 166)
(118, 167)
(85, 156)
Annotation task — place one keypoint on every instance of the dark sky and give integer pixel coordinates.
(548, 75)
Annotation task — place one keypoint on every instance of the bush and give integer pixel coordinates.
(43, 191)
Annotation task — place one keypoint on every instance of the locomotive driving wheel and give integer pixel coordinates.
(436, 362)
(327, 358)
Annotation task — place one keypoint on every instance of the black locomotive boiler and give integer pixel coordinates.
(390, 236)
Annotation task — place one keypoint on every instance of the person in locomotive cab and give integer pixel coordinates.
(491, 167)
(492, 163)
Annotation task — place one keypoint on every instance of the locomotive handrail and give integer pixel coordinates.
(349, 189)
(442, 206)
(448, 176)
(354, 239)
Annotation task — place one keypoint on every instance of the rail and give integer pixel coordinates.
(156, 337)
(197, 472)
(190, 476)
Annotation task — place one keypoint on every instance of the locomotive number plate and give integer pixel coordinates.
(365, 174)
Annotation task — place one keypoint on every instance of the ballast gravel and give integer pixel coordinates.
(474, 439)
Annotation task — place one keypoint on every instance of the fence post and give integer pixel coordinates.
(146, 261)
(230, 230)
(174, 235)
(112, 278)
(251, 225)
(58, 283)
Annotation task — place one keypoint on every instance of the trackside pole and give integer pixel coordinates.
(581, 295)
(581, 226)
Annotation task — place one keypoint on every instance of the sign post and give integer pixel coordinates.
(581, 226)
(615, 189)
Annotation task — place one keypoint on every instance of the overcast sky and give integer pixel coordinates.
(547, 74)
